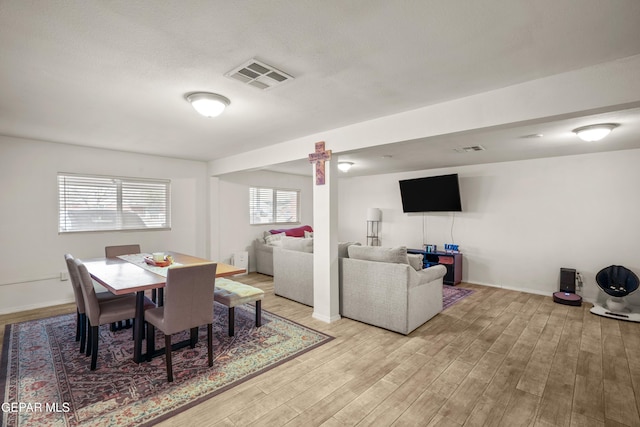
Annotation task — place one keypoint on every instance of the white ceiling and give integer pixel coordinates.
(114, 74)
(519, 141)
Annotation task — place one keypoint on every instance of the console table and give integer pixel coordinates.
(451, 260)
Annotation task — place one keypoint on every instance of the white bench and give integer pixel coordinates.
(231, 294)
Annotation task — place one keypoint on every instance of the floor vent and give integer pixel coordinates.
(259, 75)
(470, 149)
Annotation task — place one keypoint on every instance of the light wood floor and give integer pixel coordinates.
(497, 358)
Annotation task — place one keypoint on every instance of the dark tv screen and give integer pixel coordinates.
(431, 194)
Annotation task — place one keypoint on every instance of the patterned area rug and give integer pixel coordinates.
(452, 294)
(44, 380)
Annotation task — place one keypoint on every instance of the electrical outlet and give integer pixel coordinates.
(64, 275)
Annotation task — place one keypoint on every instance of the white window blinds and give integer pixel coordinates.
(273, 206)
(100, 203)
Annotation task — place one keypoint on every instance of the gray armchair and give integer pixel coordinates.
(389, 293)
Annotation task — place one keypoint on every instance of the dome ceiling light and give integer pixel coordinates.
(595, 132)
(208, 104)
(345, 166)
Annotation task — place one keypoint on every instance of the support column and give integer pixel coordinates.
(214, 218)
(326, 298)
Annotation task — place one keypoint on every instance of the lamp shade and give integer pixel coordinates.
(208, 104)
(374, 214)
(594, 132)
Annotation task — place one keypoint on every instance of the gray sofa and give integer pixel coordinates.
(263, 247)
(293, 275)
(293, 269)
(264, 257)
(378, 286)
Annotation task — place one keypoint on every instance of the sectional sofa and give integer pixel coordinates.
(384, 287)
(263, 246)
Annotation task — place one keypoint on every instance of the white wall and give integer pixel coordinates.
(231, 230)
(32, 251)
(521, 221)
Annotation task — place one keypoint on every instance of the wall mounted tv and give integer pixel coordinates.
(431, 194)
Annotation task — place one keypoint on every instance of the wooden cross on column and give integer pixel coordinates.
(319, 157)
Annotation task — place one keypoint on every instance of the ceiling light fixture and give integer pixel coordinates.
(208, 104)
(595, 132)
(345, 166)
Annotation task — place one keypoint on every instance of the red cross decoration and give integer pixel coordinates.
(319, 157)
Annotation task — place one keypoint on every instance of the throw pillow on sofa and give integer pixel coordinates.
(415, 260)
(293, 232)
(343, 248)
(375, 253)
(271, 239)
(298, 244)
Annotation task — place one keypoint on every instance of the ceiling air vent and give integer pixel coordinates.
(470, 149)
(259, 75)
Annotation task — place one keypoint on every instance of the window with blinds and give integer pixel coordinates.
(273, 206)
(102, 203)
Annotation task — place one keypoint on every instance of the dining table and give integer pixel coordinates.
(128, 274)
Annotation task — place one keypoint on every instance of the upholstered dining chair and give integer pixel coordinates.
(100, 312)
(188, 305)
(81, 316)
(114, 251)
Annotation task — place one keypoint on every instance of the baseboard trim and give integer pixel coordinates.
(326, 319)
(47, 304)
(526, 290)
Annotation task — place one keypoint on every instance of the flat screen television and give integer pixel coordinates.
(431, 194)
